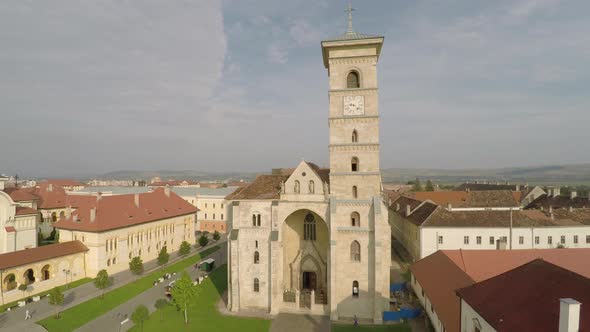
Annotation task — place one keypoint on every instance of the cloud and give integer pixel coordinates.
(277, 53)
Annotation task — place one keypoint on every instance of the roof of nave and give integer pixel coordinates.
(114, 212)
(263, 187)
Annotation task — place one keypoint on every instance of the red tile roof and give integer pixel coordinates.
(263, 187)
(467, 199)
(527, 297)
(28, 256)
(23, 210)
(113, 212)
(445, 271)
(21, 194)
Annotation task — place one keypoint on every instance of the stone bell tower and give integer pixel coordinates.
(359, 231)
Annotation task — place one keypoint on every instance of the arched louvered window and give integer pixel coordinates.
(355, 136)
(355, 251)
(311, 187)
(352, 80)
(296, 187)
(256, 257)
(253, 220)
(354, 192)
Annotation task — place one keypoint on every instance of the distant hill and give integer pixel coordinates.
(551, 174)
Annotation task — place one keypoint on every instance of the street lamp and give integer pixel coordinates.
(66, 272)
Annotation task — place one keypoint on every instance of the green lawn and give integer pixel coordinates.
(83, 313)
(203, 314)
(63, 288)
(375, 328)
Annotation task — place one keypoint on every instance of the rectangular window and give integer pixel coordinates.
(549, 239)
(214, 205)
(478, 239)
(537, 240)
(504, 239)
(587, 238)
(521, 240)
(222, 205)
(562, 239)
(575, 239)
(466, 240)
(492, 241)
(440, 239)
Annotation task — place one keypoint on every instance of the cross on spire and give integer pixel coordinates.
(349, 10)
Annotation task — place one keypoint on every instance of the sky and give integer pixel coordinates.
(90, 87)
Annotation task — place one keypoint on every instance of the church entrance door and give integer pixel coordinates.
(309, 281)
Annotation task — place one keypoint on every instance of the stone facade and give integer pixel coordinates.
(319, 242)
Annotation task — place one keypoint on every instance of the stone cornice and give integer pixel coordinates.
(353, 202)
(354, 173)
(355, 147)
(349, 92)
(356, 119)
(372, 59)
(353, 229)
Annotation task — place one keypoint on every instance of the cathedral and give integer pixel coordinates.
(312, 240)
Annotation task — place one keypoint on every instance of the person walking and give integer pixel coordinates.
(27, 314)
(356, 321)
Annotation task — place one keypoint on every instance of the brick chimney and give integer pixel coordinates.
(93, 214)
(556, 191)
(449, 206)
(397, 207)
(68, 212)
(50, 187)
(408, 210)
(136, 200)
(573, 194)
(569, 315)
(167, 190)
(517, 187)
(98, 196)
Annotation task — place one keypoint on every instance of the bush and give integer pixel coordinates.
(185, 248)
(136, 265)
(203, 240)
(163, 256)
(216, 236)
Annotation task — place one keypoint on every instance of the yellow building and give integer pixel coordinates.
(117, 228)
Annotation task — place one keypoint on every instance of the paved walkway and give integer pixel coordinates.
(13, 321)
(300, 323)
(111, 321)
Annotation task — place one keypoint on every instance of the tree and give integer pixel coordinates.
(160, 305)
(23, 288)
(163, 256)
(185, 248)
(203, 240)
(182, 293)
(39, 239)
(216, 236)
(102, 281)
(136, 265)
(56, 298)
(417, 186)
(429, 186)
(140, 315)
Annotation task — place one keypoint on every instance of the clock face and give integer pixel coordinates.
(354, 105)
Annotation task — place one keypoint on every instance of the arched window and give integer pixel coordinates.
(354, 164)
(253, 220)
(258, 220)
(354, 192)
(54, 217)
(29, 276)
(109, 262)
(213, 216)
(309, 227)
(62, 215)
(256, 285)
(311, 187)
(355, 219)
(256, 244)
(355, 251)
(296, 187)
(355, 136)
(352, 80)
(46, 272)
(115, 259)
(355, 289)
(256, 257)
(9, 282)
